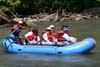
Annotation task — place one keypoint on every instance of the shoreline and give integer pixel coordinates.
(54, 17)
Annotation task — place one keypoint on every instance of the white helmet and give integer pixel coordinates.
(20, 22)
(48, 28)
(52, 26)
(65, 29)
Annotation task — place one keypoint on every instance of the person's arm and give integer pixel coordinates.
(45, 37)
(38, 40)
(22, 27)
(67, 37)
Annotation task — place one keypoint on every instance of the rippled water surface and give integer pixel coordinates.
(30, 60)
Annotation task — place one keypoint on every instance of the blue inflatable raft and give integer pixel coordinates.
(80, 47)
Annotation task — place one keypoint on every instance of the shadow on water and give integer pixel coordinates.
(89, 53)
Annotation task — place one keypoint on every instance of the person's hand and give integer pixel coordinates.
(30, 42)
(69, 41)
(52, 43)
(33, 42)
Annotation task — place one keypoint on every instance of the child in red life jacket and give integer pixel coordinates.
(69, 38)
(32, 37)
(53, 33)
(64, 36)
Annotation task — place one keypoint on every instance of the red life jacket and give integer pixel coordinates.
(15, 26)
(31, 37)
(18, 26)
(54, 34)
(60, 34)
(49, 35)
(60, 38)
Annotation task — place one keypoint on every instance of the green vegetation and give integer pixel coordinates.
(16, 7)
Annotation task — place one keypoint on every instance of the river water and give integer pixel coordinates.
(36, 60)
(80, 30)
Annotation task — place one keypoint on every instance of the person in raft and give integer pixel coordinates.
(64, 37)
(32, 37)
(47, 37)
(53, 33)
(16, 29)
(19, 25)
